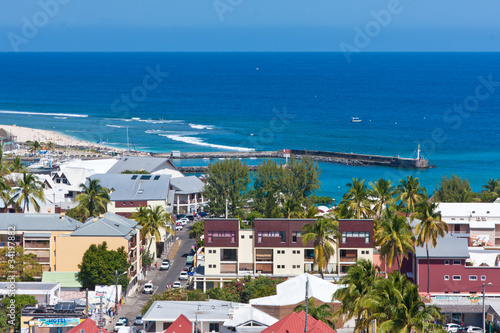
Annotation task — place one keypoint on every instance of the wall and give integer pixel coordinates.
(222, 225)
(70, 250)
(245, 249)
(439, 285)
(286, 226)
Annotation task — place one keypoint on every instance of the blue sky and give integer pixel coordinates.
(249, 25)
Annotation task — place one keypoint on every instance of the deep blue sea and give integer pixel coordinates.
(448, 103)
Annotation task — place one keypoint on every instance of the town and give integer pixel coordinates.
(129, 243)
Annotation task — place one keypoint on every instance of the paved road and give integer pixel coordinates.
(177, 254)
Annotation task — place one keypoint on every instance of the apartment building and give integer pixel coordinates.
(275, 247)
(478, 220)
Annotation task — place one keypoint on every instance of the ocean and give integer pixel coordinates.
(446, 102)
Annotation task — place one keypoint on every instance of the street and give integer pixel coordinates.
(177, 254)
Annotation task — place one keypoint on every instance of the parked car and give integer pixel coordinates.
(122, 322)
(180, 216)
(148, 288)
(190, 218)
(183, 221)
(474, 329)
(127, 329)
(183, 275)
(177, 284)
(138, 320)
(164, 265)
(202, 214)
(178, 226)
(451, 327)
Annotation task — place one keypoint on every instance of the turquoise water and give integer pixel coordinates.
(269, 101)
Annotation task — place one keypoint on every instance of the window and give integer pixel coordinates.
(280, 234)
(309, 254)
(472, 277)
(457, 278)
(446, 277)
(215, 266)
(295, 234)
(483, 277)
(242, 236)
(251, 236)
(145, 177)
(298, 251)
(209, 266)
(228, 255)
(209, 251)
(157, 177)
(446, 262)
(362, 252)
(134, 177)
(357, 234)
(214, 327)
(457, 262)
(221, 233)
(367, 252)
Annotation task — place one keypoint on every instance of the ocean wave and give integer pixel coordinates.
(196, 126)
(115, 126)
(45, 114)
(60, 117)
(200, 142)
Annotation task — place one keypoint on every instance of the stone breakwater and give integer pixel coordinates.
(320, 156)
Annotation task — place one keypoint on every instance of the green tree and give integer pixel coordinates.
(16, 165)
(14, 305)
(398, 307)
(227, 180)
(323, 233)
(383, 192)
(93, 198)
(491, 191)
(99, 265)
(152, 220)
(342, 211)
(136, 172)
(8, 196)
(430, 227)
(410, 193)
(358, 286)
(34, 146)
(25, 266)
(4, 170)
(196, 230)
(358, 199)
(322, 312)
(31, 190)
(454, 189)
(395, 238)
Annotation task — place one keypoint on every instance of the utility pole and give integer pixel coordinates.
(226, 207)
(116, 291)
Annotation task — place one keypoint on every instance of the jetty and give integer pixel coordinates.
(320, 156)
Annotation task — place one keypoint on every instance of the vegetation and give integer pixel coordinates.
(395, 239)
(394, 301)
(323, 312)
(30, 192)
(226, 186)
(99, 265)
(429, 229)
(454, 189)
(16, 165)
(136, 172)
(25, 268)
(152, 220)
(13, 305)
(383, 193)
(196, 230)
(357, 199)
(92, 200)
(243, 291)
(410, 193)
(323, 233)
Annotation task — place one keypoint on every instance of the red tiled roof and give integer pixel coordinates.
(88, 325)
(295, 323)
(181, 325)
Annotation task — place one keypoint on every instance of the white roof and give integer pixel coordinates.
(293, 291)
(98, 166)
(469, 209)
(250, 314)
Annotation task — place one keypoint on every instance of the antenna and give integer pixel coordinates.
(307, 302)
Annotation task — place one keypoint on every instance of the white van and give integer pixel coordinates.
(148, 288)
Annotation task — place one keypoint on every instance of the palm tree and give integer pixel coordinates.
(16, 165)
(6, 194)
(3, 165)
(395, 238)
(323, 312)
(34, 146)
(93, 198)
(410, 193)
(152, 220)
(359, 283)
(30, 189)
(323, 232)
(342, 211)
(291, 208)
(430, 227)
(493, 185)
(383, 191)
(398, 307)
(358, 199)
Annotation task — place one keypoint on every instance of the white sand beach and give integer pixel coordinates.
(24, 134)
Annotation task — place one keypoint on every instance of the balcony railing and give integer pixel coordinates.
(43, 260)
(348, 259)
(36, 245)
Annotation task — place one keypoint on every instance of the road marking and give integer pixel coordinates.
(174, 249)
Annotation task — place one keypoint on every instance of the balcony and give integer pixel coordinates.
(226, 268)
(497, 234)
(36, 245)
(43, 260)
(264, 255)
(264, 268)
(348, 255)
(348, 259)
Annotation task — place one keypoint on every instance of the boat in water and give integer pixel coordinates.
(355, 120)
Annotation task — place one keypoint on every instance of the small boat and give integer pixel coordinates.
(355, 120)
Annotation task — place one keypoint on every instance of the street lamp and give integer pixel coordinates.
(484, 315)
(116, 288)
